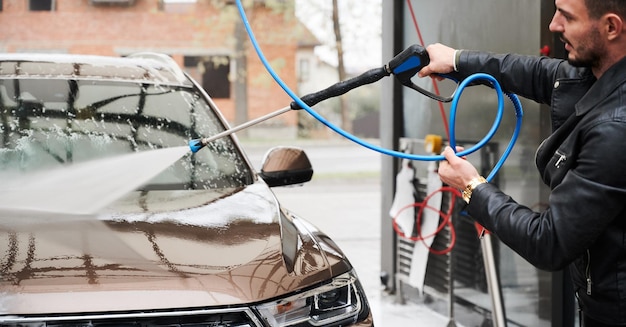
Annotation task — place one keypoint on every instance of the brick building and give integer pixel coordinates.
(203, 36)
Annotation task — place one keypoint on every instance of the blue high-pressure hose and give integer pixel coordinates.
(453, 109)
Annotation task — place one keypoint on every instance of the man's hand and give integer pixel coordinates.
(454, 171)
(441, 60)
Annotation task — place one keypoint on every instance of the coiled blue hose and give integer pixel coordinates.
(398, 154)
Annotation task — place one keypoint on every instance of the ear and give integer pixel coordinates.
(614, 26)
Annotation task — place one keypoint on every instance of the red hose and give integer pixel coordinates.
(446, 220)
(435, 85)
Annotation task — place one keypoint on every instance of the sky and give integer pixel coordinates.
(361, 28)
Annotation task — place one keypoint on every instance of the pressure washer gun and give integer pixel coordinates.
(403, 66)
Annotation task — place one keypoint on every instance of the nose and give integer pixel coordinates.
(555, 25)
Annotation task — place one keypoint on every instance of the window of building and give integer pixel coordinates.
(304, 69)
(213, 72)
(41, 5)
(177, 6)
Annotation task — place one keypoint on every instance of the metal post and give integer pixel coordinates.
(493, 283)
(451, 321)
(391, 130)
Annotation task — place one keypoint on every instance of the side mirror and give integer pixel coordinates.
(286, 166)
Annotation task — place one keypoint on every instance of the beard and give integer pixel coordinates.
(588, 51)
(590, 59)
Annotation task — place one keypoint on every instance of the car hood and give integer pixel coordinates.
(162, 250)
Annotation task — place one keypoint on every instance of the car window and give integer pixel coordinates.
(46, 122)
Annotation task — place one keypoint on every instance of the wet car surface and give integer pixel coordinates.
(201, 242)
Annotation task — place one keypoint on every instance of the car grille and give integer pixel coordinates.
(195, 318)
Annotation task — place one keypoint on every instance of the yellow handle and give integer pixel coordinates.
(432, 143)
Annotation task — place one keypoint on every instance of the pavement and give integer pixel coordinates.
(343, 200)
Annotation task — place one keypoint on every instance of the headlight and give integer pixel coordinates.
(339, 300)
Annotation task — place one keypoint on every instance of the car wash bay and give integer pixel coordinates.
(529, 297)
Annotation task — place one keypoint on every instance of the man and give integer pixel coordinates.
(583, 161)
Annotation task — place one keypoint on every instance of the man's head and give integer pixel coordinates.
(594, 31)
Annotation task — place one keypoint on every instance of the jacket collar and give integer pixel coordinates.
(602, 88)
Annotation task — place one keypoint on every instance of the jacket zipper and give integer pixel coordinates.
(562, 158)
(588, 273)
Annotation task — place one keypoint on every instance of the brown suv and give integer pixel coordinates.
(201, 242)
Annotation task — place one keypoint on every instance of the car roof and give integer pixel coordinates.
(144, 67)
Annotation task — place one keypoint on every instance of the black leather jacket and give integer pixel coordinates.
(583, 162)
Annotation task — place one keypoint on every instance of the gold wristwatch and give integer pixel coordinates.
(467, 192)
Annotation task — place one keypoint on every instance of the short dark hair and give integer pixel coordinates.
(597, 8)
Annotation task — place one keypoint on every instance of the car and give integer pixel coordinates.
(108, 219)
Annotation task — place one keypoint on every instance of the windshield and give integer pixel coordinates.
(45, 123)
